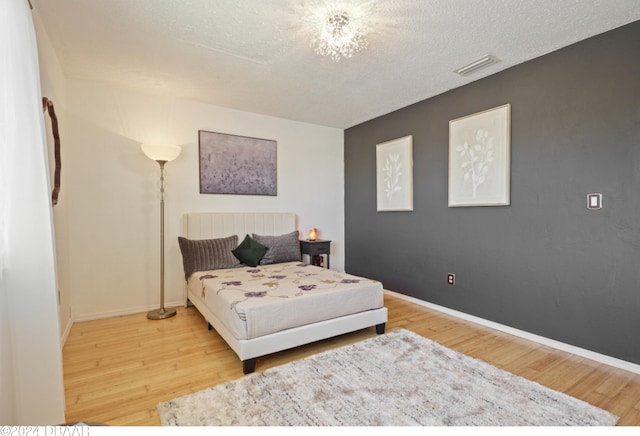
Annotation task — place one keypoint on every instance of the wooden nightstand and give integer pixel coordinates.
(318, 247)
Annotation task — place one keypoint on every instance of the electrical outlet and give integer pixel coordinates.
(451, 279)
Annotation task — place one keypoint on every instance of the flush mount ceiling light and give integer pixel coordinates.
(339, 36)
(476, 65)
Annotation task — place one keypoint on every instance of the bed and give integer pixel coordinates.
(280, 303)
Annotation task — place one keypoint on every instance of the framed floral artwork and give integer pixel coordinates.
(394, 174)
(479, 158)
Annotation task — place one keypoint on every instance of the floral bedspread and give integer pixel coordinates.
(255, 301)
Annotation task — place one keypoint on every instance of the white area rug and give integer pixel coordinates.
(399, 378)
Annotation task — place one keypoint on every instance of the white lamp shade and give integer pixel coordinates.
(162, 152)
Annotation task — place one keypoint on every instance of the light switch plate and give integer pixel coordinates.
(594, 201)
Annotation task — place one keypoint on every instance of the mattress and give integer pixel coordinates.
(254, 302)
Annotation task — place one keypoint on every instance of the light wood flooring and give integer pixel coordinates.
(117, 370)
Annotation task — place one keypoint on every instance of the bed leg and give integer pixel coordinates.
(209, 326)
(249, 365)
(380, 328)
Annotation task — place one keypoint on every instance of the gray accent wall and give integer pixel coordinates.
(544, 264)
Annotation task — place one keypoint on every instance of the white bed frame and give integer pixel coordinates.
(220, 225)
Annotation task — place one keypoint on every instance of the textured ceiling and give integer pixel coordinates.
(255, 55)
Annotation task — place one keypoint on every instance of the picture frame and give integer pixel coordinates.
(480, 158)
(394, 175)
(241, 165)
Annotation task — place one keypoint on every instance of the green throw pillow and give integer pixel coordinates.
(250, 252)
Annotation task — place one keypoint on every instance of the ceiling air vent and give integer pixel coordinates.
(476, 65)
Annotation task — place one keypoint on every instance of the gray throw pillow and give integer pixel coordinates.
(282, 248)
(207, 254)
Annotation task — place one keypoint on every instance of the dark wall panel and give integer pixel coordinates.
(544, 264)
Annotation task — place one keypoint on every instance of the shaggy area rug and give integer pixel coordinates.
(396, 379)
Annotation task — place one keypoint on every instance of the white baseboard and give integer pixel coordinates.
(120, 312)
(601, 358)
(65, 333)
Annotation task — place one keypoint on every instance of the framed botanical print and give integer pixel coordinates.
(394, 175)
(479, 158)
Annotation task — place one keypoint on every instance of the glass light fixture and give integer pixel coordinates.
(339, 37)
(158, 152)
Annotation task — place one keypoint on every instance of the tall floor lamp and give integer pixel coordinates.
(161, 154)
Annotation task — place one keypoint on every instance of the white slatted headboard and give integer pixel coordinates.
(219, 225)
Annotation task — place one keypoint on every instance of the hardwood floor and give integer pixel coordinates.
(117, 370)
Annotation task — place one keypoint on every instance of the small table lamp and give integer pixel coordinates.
(313, 234)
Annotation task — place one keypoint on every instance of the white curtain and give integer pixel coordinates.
(31, 388)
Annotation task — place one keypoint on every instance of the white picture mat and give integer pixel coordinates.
(394, 175)
(479, 158)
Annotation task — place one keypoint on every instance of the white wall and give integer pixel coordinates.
(112, 190)
(52, 83)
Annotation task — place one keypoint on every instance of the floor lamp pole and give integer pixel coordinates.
(161, 313)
